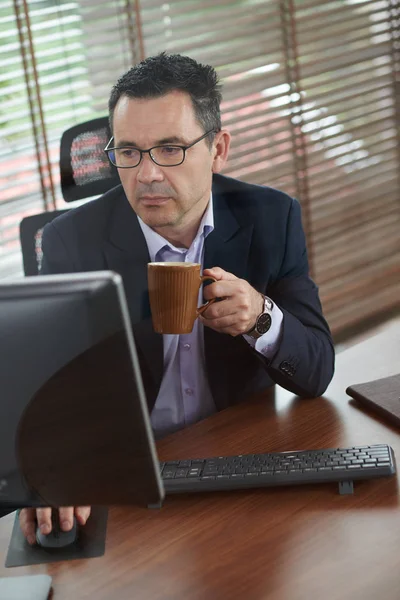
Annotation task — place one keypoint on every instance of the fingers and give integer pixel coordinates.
(66, 517)
(30, 518)
(82, 514)
(27, 521)
(43, 517)
(225, 288)
(219, 274)
(225, 308)
(238, 306)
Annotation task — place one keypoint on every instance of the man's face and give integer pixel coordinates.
(164, 196)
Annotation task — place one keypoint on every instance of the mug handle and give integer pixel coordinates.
(203, 307)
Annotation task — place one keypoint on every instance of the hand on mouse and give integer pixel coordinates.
(29, 516)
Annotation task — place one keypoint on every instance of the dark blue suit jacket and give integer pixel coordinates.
(258, 236)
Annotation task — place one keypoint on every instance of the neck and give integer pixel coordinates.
(180, 239)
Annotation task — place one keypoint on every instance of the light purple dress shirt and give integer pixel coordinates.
(185, 396)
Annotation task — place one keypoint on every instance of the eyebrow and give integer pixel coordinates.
(167, 140)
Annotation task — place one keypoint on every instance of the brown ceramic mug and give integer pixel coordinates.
(174, 290)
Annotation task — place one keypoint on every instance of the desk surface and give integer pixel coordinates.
(295, 543)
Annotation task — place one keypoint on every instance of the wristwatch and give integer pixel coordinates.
(263, 321)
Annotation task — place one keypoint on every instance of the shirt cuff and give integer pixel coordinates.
(267, 344)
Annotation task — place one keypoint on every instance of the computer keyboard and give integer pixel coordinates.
(343, 465)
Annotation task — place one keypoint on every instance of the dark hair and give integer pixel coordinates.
(158, 75)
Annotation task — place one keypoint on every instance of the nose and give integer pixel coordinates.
(148, 171)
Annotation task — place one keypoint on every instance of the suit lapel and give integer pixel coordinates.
(126, 253)
(229, 244)
(227, 247)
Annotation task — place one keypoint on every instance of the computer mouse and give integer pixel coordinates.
(57, 539)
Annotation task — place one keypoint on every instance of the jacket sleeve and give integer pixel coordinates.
(304, 360)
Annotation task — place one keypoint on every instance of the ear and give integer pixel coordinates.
(220, 150)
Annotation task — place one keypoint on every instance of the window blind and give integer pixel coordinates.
(310, 96)
(347, 57)
(54, 71)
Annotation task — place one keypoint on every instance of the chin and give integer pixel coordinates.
(154, 221)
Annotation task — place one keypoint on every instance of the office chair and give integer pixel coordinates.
(30, 235)
(85, 171)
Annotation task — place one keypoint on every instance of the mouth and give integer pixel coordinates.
(153, 200)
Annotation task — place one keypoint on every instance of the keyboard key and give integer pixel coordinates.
(168, 471)
(379, 454)
(181, 472)
(194, 472)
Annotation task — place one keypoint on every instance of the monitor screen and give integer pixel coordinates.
(74, 424)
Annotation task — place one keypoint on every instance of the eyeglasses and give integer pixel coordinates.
(170, 155)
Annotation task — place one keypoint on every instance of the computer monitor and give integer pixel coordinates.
(74, 424)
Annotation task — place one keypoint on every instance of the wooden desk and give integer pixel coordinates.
(295, 543)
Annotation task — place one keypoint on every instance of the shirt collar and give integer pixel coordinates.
(155, 242)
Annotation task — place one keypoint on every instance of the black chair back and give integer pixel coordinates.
(30, 235)
(84, 167)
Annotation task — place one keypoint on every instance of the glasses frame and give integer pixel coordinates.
(184, 148)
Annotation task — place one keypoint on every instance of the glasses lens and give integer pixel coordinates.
(111, 156)
(168, 156)
(125, 157)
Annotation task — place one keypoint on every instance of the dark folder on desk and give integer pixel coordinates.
(381, 395)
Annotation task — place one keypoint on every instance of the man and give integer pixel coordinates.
(173, 205)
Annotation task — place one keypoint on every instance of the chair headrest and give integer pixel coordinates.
(85, 170)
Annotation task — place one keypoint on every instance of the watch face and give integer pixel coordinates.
(263, 323)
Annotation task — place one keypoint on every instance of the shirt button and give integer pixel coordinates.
(186, 346)
(189, 392)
